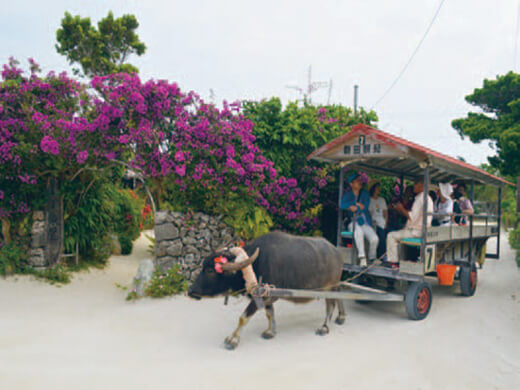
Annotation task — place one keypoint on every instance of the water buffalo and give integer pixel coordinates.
(279, 259)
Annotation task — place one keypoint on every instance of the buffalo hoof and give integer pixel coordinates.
(268, 334)
(340, 320)
(231, 342)
(322, 331)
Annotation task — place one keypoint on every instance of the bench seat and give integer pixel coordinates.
(412, 241)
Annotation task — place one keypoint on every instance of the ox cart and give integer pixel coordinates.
(377, 152)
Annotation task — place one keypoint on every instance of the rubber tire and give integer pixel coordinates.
(411, 300)
(466, 287)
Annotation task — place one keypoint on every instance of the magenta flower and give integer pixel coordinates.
(180, 170)
(49, 145)
(82, 157)
(110, 155)
(124, 139)
(291, 183)
(179, 156)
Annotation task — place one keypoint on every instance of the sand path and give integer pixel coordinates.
(85, 336)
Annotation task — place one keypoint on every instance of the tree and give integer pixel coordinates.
(287, 136)
(499, 122)
(100, 51)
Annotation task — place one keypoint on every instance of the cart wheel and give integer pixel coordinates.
(468, 280)
(418, 300)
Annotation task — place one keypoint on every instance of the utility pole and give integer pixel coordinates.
(355, 98)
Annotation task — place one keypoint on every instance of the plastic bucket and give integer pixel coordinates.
(445, 274)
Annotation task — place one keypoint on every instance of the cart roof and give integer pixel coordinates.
(374, 151)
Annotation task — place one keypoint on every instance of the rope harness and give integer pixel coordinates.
(247, 272)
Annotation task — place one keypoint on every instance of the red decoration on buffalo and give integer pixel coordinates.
(218, 263)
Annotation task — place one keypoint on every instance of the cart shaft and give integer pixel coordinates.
(265, 292)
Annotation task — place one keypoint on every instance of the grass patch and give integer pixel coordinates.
(163, 284)
(58, 275)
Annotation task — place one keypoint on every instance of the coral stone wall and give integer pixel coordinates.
(38, 241)
(188, 239)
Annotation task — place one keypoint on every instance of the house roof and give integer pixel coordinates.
(375, 151)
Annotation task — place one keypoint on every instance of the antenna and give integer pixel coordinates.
(330, 92)
(312, 86)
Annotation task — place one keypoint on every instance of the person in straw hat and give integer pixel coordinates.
(444, 204)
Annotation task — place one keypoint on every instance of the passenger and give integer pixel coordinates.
(414, 222)
(379, 213)
(443, 205)
(462, 204)
(357, 202)
(434, 196)
(396, 219)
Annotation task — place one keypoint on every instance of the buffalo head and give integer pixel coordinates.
(218, 274)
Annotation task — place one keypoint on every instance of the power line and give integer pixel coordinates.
(412, 56)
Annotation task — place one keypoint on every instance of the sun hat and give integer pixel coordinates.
(446, 190)
(353, 176)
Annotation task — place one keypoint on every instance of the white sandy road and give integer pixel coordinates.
(85, 336)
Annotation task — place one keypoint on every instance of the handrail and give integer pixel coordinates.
(462, 214)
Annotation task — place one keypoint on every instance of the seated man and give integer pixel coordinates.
(413, 227)
(357, 201)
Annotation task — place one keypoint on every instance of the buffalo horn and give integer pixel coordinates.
(223, 247)
(233, 267)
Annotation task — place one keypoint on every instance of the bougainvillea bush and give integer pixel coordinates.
(193, 155)
(196, 155)
(38, 127)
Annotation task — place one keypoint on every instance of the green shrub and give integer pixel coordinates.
(55, 275)
(514, 238)
(126, 214)
(245, 217)
(12, 258)
(169, 283)
(126, 245)
(104, 209)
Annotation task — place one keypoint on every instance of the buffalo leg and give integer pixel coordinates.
(340, 319)
(231, 342)
(270, 332)
(329, 305)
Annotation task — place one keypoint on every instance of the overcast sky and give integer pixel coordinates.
(252, 49)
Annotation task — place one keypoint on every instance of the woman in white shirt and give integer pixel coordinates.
(379, 213)
(444, 205)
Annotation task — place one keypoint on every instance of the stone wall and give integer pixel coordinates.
(38, 240)
(187, 240)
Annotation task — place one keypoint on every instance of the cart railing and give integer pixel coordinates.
(478, 226)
